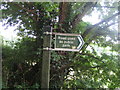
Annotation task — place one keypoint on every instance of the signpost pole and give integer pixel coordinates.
(46, 57)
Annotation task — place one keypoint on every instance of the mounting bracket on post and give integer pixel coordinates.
(48, 33)
(47, 48)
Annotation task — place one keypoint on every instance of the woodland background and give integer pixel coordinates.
(91, 68)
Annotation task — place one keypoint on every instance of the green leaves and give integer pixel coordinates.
(97, 64)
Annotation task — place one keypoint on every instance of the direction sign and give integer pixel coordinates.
(68, 42)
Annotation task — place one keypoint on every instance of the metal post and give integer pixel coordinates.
(46, 57)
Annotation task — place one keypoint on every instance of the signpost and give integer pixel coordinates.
(68, 42)
(63, 42)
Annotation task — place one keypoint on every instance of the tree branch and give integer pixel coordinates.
(105, 6)
(107, 19)
(79, 16)
(89, 29)
(99, 33)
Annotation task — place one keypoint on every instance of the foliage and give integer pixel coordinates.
(88, 69)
